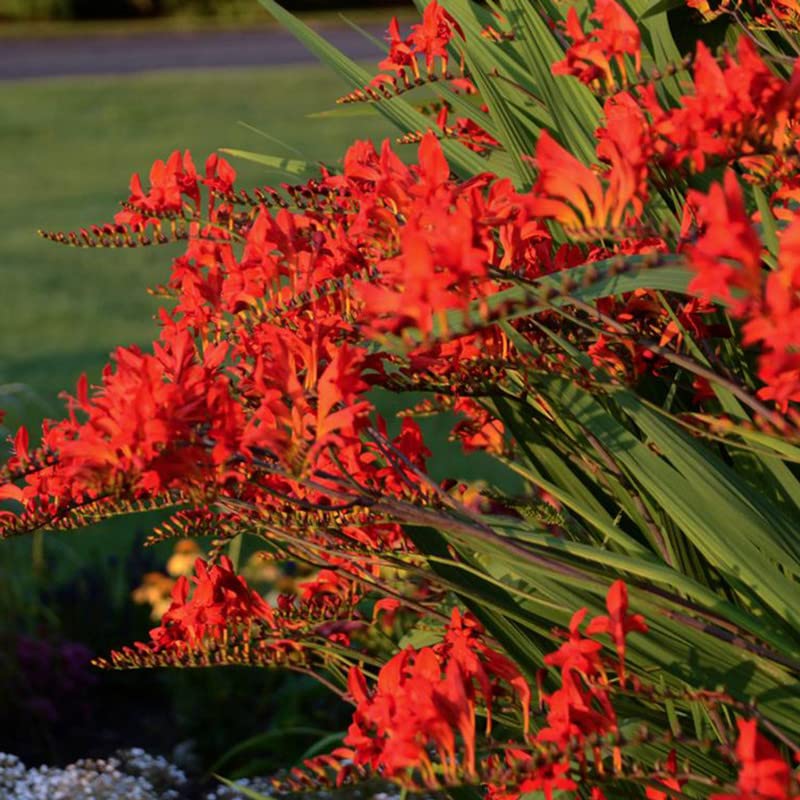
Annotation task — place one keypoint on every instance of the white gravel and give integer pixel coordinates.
(131, 775)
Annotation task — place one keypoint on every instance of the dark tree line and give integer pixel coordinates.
(105, 9)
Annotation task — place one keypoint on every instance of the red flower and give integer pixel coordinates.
(727, 253)
(738, 107)
(674, 785)
(431, 37)
(422, 700)
(220, 602)
(763, 774)
(775, 323)
(576, 710)
(401, 53)
(572, 194)
(169, 183)
(589, 57)
(619, 623)
(428, 39)
(577, 653)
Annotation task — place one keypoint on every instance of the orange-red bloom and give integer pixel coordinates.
(763, 774)
(590, 56)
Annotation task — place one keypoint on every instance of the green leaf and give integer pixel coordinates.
(659, 7)
(769, 226)
(350, 110)
(291, 166)
(264, 741)
(587, 282)
(249, 793)
(425, 633)
(692, 491)
(563, 483)
(511, 128)
(574, 108)
(518, 643)
(486, 61)
(323, 745)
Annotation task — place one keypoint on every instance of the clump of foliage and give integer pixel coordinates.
(592, 263)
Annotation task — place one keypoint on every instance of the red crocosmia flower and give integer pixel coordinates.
(480, 430)
(763, 774)
(339, 389)
(434, 171)
(739, 107)
(401, 52)
(532, 777)
(625, 144)
(572, 194)
(170, 182)
(428, 39)
(590, 56)
(576, 710)
(21, 445)
(327, 586)
(467, 131)
(582, 59)
(529, 775)
(674, 785)
(442, 257)
(424, 703)
(220, 175)
(548, 779)
(727, 253)
(464, 643)
(10, 491)
(385, 612)
(617, 34)
(619, 623)
(393, 726)
(727, 256)
(577, 652)
(221, 600)
(582, 706)
(775, 324)
(142, 427)
(431, 37)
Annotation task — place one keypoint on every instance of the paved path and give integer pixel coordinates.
(128, 54)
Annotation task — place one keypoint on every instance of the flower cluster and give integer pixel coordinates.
(589, 57)
(223, 620)
(727, 256)
(592, 274)
(582, 706)
(418, 725)
(413, 59)
(261, 371)
(763, 772)
(426, 700)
